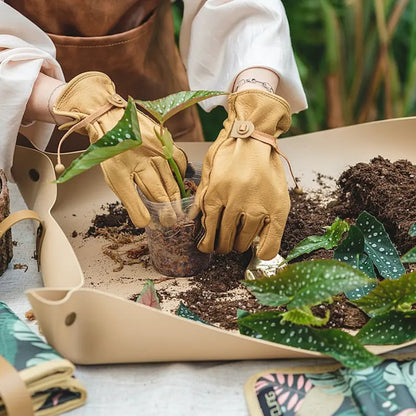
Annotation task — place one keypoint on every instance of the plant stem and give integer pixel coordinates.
(178, 176)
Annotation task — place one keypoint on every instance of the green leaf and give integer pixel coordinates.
(184, 312)
(307, 283)
(304, 316)
(164, 108)
(410, 256)
(390, 295)
(379, 247)
(393, 328)
(336, 343)
(148, 296)
(329, 240)
(351, 251)
(124, 136)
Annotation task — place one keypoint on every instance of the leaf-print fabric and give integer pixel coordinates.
(388, 389)
(19, 345)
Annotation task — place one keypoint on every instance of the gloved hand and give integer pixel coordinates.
(90, 92)
(243, 191)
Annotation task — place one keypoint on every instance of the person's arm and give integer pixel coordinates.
(221, 39)
(40, 104)
(26, 51)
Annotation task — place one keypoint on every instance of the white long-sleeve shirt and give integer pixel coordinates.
(219, 39)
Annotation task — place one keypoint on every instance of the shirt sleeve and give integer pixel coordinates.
(25, 50)
(221, 38)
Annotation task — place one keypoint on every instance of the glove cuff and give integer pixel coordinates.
(84, 95)
(268, 112)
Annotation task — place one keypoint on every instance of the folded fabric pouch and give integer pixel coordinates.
(386, 390)
(44, 383)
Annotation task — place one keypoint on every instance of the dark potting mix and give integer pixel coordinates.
(386, 190)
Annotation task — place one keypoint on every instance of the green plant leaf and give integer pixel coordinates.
(410, 256)
(390, 295)
(307, 283)
(164, 108)
(305, 316)
(184, 312)
(124, 136)
(379, 246)
(336, 343)
(148, 296)
(351, 251)
(393, 328)
(328, 240)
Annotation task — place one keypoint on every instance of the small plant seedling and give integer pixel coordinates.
(163, 109)
(126, 134)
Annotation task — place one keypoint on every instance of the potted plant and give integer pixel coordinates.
(171, 240)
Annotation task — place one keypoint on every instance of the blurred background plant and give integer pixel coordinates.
(357, 62)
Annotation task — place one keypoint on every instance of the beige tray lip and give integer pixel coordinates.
(40, 295)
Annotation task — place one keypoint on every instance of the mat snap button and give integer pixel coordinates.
(70, 319)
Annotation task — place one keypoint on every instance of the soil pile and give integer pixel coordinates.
(384, 189)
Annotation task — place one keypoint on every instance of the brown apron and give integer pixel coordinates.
(132, 41)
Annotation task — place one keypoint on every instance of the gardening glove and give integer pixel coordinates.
(94, 93)
(243, 191)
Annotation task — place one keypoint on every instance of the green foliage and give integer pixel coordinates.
(124, 136)
(184, 312)
(351, 251)
(410, 256)
(390, 295)
(378, 246)
(307, 283)
(164, 108)
(336, 343)
(148, 296)
(392, 328)
(304, 316)
(352, 72)
(327, 241)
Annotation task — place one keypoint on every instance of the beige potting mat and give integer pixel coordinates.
(81, 282)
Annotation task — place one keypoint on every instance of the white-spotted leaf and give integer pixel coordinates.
(351, 251)
(124, 136)
(184, 312)
(412, 230)
(307, 283)
(393, 328)
(390, 295)
(379, 247)
(330, 239)
(164, 108)
(410, 256)
(336, 343)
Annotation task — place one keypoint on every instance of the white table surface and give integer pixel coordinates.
(179, 389)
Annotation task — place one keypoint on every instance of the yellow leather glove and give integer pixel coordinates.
(243, 191)
(94, 92)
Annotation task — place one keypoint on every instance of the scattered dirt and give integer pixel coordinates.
(384, 189)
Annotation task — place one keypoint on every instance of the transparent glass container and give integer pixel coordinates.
(173, 249)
